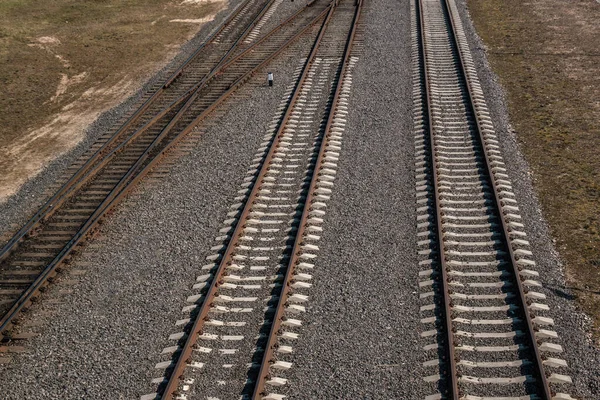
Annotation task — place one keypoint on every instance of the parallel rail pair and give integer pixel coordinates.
(490, 328)
(238, 236)
(215, 71)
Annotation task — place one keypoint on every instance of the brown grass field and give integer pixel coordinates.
(547, 56)
(63, 62)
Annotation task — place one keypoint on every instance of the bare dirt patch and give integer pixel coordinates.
(63, 62)
(547, 56)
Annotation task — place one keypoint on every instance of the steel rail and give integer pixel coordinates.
(187, 97)
(124, 184)
(204, 113)
(193, 92)
(189, 101)
(451, 375)
(547, 393)
(271, 345)
(213, 36)
(227, 259)
(84, 173)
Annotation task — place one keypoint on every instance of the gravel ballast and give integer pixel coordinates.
(16, 209)
(572, 326)
(361, 335)
(101, 336)
(360, 339)
(102, 333)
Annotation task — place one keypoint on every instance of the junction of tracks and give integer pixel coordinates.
(352, 231)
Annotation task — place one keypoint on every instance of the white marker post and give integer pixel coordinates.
(270, 78)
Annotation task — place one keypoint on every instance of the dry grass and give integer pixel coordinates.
(62, 62)
(547, 55)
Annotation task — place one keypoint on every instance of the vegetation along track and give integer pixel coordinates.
(247, 312)
(32, 256)
(484, 324)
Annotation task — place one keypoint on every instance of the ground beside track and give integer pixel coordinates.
(17, 208)
(573, 326)
(546, 56)
(64, 62)
(360, 338)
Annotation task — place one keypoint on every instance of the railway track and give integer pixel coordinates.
(31, 258)
(160, 98)
(485, 320)
(246, 313)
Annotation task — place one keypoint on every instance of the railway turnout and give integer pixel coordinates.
(32, 256)
(485, 322)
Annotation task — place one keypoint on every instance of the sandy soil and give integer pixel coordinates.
(64, 63)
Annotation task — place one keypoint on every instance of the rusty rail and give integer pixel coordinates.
(450, 354)
(189, 97)
(539, 366)
(85, 172)
(451, 375)
(226, 259)
(270, 347)
(138, 171)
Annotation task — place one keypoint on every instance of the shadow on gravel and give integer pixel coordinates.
(567, 292)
